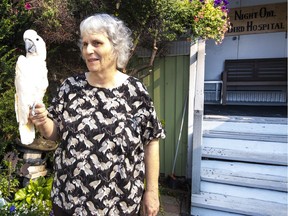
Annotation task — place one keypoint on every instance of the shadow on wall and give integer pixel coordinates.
(241, 110)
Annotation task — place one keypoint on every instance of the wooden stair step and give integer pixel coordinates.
(247, 119)
(243, 127)
(196, 211)
(245, 192)
(238, 205)
(248, 150)
(246, 136)
(245, 174)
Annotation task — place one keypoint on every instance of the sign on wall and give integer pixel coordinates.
(258, 19)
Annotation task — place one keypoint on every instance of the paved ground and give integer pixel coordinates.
(173, 206)
(174, 197)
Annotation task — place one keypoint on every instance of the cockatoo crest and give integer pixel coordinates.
(30, 81)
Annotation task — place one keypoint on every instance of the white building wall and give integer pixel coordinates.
(268, 45)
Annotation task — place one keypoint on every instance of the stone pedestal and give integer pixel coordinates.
(35, 157)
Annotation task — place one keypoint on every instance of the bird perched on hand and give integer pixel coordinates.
(31, 82)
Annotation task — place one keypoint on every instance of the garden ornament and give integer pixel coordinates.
(31, 83)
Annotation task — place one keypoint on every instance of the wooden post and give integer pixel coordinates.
(198, 118)
(192, 81)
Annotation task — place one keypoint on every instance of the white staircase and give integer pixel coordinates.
(243, 168)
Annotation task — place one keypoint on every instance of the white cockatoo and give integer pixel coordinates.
(31, 83)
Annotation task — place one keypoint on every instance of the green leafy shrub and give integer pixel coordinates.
(9, 182)
(8, 123)
(32, 200)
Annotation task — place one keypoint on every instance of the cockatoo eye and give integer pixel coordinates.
(37, 39)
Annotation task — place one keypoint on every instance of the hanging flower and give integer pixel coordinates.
(210, 19)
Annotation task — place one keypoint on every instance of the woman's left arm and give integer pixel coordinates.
(151, 197)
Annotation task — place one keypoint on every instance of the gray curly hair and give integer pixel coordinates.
(118, 33)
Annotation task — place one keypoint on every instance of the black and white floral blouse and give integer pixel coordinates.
(99, 164)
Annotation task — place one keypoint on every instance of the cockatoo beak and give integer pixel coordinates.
(30, 46)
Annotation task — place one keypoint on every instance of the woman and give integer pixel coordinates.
(108, 130)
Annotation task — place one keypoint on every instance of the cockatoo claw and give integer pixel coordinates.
(33, 110)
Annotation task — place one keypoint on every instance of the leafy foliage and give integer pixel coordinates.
(34, 199)
(9, 127)
(9, 182)
(153, 19)
(14, 18)
(153, 24)
(53, 20)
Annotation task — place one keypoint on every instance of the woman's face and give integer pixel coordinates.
(97, 51)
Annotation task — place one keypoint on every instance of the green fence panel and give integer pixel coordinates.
(168, 86)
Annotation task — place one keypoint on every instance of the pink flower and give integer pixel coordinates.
(28, 6)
